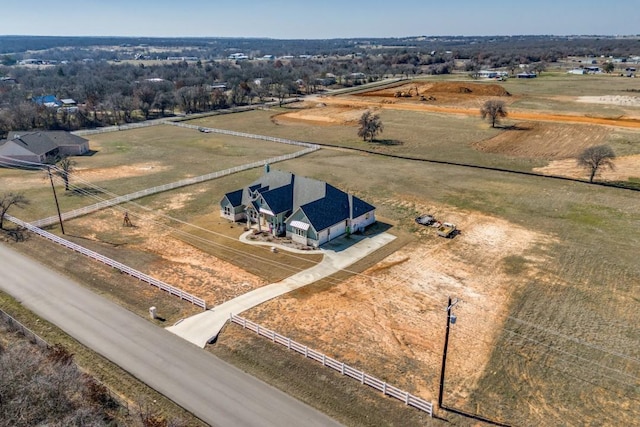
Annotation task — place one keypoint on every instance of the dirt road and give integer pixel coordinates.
(515, 114)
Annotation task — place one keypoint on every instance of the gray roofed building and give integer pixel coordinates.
(40, 146)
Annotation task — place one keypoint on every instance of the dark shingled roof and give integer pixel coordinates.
(324, 205)
(42, 142)
(329, 210)
(360, 207)
(279, 199)
(35, 142)
(235, 198)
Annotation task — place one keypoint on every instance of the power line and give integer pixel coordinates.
(335, 281)
(286, 266)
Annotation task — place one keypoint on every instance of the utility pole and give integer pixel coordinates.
(444, 352)
(55, 196)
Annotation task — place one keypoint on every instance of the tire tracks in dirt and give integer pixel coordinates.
(519, 115)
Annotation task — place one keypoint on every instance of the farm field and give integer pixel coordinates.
(134, 160)
(545, 270)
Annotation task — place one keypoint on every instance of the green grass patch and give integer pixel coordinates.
(514, 265)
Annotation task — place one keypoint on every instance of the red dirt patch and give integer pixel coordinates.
(417, 89)
(322, 115)
(389, 320)
(624, 168)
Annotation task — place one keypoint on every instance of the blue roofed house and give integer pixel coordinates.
(308, 211)
(50, 101)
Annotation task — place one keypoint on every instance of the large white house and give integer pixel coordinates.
(308, 211)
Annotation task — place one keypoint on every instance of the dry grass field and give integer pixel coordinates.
(137, 159)
(546, 270)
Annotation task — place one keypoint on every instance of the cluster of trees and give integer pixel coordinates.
(43, 386)
(46, 388)
(119, 92)
(488, 49)
(111, 93)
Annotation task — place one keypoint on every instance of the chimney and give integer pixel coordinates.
(350, 206)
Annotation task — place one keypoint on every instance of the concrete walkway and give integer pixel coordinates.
(338, 255)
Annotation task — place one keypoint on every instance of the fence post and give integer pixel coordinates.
(289, 343)
(324, 363)
(362, 377)
(384, 389)
(306, 351)
(342, 369)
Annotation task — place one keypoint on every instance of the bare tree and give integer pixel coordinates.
(494, 110)
(11, 199)
(39, 390)
(146, 95)
(370, 126)
(66, 166)
(595, 158)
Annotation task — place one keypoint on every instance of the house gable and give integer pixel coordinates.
(300, 216)
(279, 200)
(11, 148)
(360, 207)
(233, 198)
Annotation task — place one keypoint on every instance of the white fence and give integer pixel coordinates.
(119, 127)
(246, 135)
(162, 121)
(171, 186)
(112, 263)
(386, 389)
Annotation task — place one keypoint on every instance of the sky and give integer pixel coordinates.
(288, 19)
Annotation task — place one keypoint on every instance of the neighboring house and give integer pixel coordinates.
(326, 81)
(41, 146)
(308, 211)
(218, 86)
(50, 101)
(8, 81)
(492, 74)
(69, 105)
(238, 56)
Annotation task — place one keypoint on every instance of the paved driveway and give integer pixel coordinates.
(338, 254)
(206, 386)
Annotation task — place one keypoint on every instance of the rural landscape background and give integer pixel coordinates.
(544, 267)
